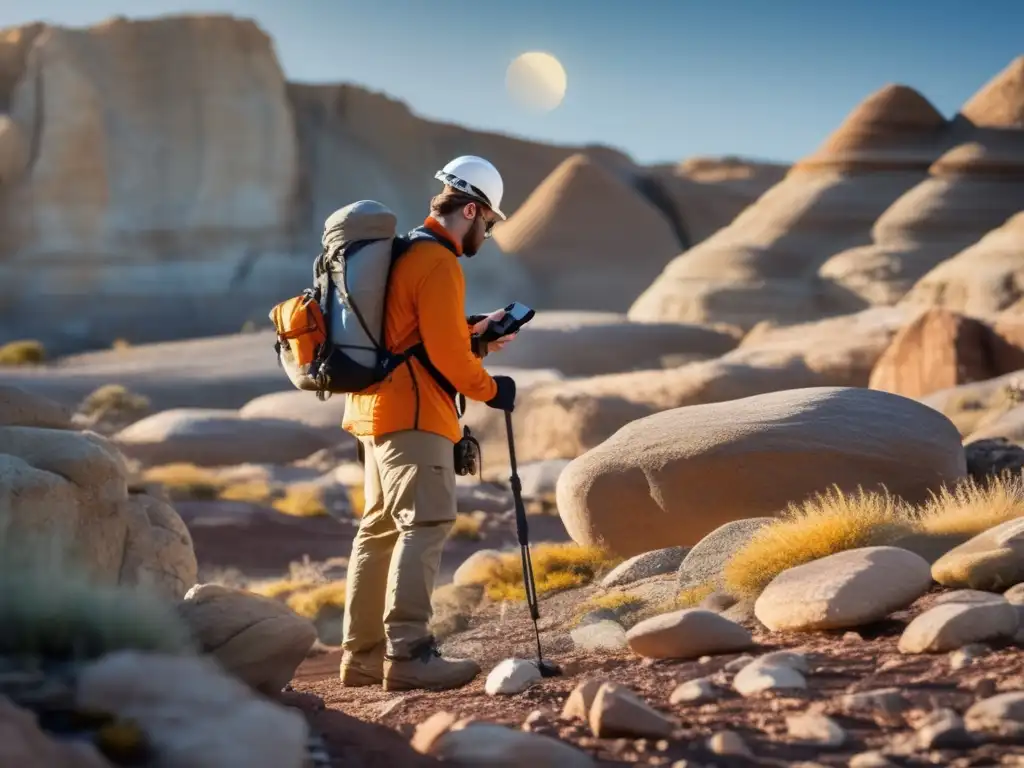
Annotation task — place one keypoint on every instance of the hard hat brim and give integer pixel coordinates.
(466, 188)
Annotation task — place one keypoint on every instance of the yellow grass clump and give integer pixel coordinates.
(312, 602)
(691, 597)
(823, 525)
(22, 352)
(468, 526)
(114, 400)
(556, 567)
(301, 501)
(970, 508)
(185, 481)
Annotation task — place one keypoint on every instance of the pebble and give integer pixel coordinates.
(510, 677)
(964, 657)
(1002, 714)
(729, 743)
(697, 691)
(757, 677)
(943, 729)
(819, 730)
(738, 663)
(886, 701)
(871, 759)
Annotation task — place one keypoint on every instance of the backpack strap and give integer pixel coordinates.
(418, 350)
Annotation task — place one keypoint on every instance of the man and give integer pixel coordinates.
(408, 425)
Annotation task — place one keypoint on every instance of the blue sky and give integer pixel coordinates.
(661, 79)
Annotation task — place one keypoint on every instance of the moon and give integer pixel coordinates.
(536, 81)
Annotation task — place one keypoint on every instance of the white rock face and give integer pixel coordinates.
(510, 677)
(687, 634)
(954, 625)
(847, 589)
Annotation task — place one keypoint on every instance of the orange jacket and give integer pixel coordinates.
(426, 299)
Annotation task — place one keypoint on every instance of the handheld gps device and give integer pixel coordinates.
(516, 316)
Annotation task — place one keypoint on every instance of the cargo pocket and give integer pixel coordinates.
(435, 500)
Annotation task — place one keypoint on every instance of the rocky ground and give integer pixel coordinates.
(898, 695)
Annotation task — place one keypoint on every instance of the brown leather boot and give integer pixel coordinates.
(425, 668)
(363, 668)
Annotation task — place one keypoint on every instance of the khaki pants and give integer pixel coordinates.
(409, 510)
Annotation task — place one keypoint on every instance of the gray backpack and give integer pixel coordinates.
(346, 306)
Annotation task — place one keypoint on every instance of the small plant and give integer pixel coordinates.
(253, 492)
(556, 567)
(616, 602)
(314, 601)
(113, 401)
(50, 611)
(301, 501)
(22, 352)
(185, 481)
(691, 597)
(970, 508)
(468, 526)
(823, 525)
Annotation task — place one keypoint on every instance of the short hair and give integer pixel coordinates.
(450, 200)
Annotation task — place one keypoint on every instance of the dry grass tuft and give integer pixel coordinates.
(617, 602)
(185, 481)
(823, 525)
(301, 501)
(468, 526)
(312, 602)
(114, 401)
(691, 597)
(970, 508)
(22, 352)
(556, 567)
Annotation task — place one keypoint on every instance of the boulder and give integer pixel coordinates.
(983, 279)
(953, 625)
(793, 444)
(303, 407)
(762, 266)
(992, 560)
(588, 344)
(195, 715)
(1001, 715)
(988, 458)
(845, 590)
(259, 640)
(942, 349)
(759, 676)
(20, 408)
(158, 550)
(562, 235)
(602, 635)
(645, 566)
(975, 406)
(219, 437)
(705, 563)
(495, 746)
(687, 634)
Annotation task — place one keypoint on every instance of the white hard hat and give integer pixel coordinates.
(477, 178)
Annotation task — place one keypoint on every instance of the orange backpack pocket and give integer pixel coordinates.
(299, 323)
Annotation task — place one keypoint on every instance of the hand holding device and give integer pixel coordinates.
(499, 328)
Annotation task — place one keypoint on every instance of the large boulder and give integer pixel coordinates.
(763, 265)
(220, 437)
(71, 487)
(975, 406)
(587, 344)
(682, 473)
(20, 408)
(942, 349)
(259, 640)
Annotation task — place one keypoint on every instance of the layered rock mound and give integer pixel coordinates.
(986, 278)
(684, 472)
(971, 189)
(764, 265)
(70, 487)
(589, 239)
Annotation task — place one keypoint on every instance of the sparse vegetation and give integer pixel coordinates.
(468, 526)
(971, 508)
(301, 501)
(691, 597)
(616, 602)
(185, 481)
(823, 525)
(114, 402)
(315, 600)
(50, 610)
(555, 566)
(22, 352)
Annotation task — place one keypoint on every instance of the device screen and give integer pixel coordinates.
(519, 311)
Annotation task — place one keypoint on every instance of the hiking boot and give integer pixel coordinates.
(363, 668)
(425, 668)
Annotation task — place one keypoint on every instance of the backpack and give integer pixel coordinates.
(330, 338)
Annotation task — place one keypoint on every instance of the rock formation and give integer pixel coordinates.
(764, 265)
(588, 238)
(986, 278)
(971, 189)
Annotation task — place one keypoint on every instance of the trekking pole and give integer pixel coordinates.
(547, 668)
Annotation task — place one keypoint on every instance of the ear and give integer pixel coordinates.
(469, 211)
